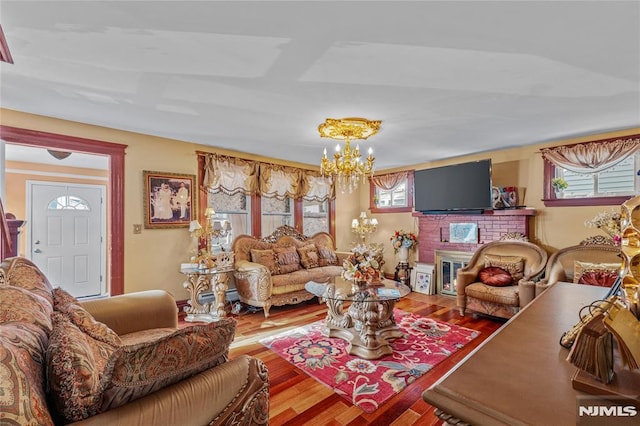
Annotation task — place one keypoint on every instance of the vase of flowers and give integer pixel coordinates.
(609, 222)
(402, 242)
(362, 267)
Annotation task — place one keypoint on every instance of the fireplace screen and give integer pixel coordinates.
(448, 263)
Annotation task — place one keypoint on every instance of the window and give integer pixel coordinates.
(392, 193)
(232, 215)
(276, 213)
(609, 186)
(315, 217)
(620, 179)
(68, 202)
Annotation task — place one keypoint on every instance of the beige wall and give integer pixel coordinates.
(152, 258)
(553, 227)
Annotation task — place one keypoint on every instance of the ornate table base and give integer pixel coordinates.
(199, 282)
(368, 324)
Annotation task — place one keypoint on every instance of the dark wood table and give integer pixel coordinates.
(519, 375)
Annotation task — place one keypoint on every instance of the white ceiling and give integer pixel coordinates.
(446, 78)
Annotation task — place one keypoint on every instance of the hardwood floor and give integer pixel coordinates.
(297, 399)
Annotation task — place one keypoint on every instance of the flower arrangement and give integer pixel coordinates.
(362, 265)
(609, 222)
(559, 184)
(403, 239)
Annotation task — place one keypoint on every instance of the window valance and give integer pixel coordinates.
(315, 187)
(591, 157)
(279, 181)
(230, 175)
(389, 181)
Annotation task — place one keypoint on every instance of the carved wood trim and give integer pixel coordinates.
(282, 231)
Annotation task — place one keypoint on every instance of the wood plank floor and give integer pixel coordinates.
(297, 399)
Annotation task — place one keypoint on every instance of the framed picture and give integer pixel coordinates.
(169, 201)
(463, 232)
(422, 278)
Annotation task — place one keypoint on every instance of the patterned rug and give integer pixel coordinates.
(369, 383)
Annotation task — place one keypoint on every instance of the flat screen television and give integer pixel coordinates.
(462, 187)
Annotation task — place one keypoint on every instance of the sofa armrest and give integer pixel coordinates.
(253, 281)
(542, 285)
(342, 255)
(236, 390)
(463, 279)
(526, 291)
(133, 312)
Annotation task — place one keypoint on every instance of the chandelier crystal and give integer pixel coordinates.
(347, 167)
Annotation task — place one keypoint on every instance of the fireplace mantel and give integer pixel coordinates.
(492, 224)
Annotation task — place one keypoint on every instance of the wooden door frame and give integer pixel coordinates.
(115, 190)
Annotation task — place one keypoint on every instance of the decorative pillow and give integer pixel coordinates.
(68, 305)
(514, 265)
(22, 396)
(149, 366)
(79, 368)
(496, 277)
(600, 274)
(288, 259)
(266, 258)
(599, 278)
(309, 256)
(21, 272)
(20, 305)
(326, 256)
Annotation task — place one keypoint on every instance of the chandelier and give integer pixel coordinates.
(363, 226)
(347, 167)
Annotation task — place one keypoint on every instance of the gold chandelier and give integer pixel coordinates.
(347, 167)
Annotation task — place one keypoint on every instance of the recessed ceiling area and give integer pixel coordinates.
(447, 78)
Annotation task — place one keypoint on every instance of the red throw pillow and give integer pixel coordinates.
(598, 278)
(494, 276)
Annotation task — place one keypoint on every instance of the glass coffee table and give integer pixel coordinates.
(361, 316)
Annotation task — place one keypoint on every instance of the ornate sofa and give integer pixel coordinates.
(120, 360)
(524, 262)
(273, 271)
(593, 258)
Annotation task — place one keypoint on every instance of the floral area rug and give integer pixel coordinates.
(369, 383)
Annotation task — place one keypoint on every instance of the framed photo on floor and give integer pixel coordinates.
(423, 278)
(169, 201)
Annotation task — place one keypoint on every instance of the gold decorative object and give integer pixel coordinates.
(347, 167)
(363, 226)
(630, 245)
(212, 230)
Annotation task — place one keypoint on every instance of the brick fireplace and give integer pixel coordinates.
(492, 224)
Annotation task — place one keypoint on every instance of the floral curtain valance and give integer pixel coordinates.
(314, 187)
(591, 157)
(279, 181)
(389, 181)
(230, 175)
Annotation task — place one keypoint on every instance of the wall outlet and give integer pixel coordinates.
(137, 229)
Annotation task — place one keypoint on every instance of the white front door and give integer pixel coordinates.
(66, 235)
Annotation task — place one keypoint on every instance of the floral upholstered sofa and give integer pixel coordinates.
(273, 271)
(117, 361)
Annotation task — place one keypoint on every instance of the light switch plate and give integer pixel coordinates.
(137, 229)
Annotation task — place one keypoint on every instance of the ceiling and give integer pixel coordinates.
(446, 78)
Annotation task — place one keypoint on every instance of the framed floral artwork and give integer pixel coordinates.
(169, 201)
